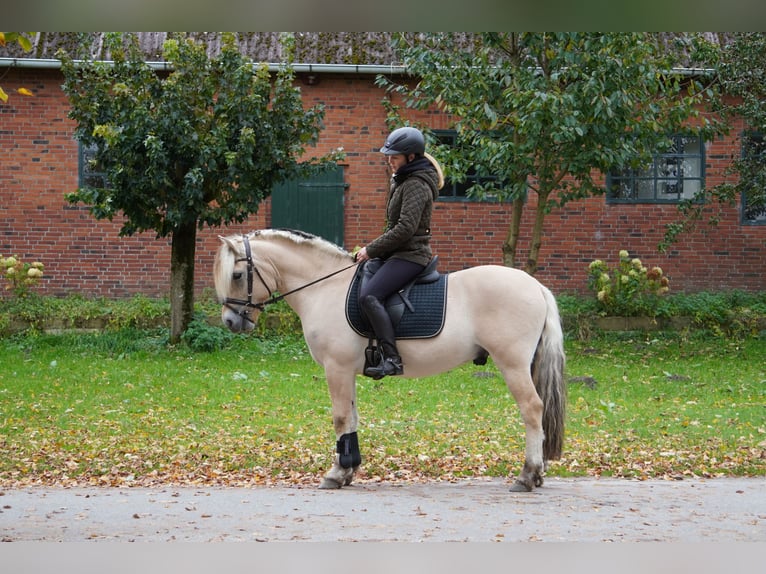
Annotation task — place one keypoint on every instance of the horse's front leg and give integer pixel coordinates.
(342, 386)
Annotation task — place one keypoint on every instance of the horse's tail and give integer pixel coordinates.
(548, 376)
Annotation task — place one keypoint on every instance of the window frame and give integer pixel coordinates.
(656, 178)
(86, 154)
(760, 219)
(458, 190)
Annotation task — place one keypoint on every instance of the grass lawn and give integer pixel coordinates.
(121, 408)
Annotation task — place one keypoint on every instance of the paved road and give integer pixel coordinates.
(575, 510)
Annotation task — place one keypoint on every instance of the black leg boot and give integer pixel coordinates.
(390, 361)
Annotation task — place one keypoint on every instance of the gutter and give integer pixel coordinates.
(52, 64)
(363, 69)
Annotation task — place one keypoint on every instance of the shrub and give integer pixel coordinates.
(201, 336)
(20, 276)
(735, 314)
(630, 290)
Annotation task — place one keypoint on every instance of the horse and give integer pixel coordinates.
(491, 310)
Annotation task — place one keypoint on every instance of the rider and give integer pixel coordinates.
(404, 246)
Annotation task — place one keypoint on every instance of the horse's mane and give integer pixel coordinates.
(302, 237)
(225, 258)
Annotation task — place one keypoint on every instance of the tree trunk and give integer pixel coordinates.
(512, 240)
(182, 279)
(537, 232)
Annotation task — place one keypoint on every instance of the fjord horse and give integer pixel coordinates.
(491, 310)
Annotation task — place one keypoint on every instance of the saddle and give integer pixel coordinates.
(417, 311)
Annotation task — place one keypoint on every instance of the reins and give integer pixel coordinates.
(245, 306)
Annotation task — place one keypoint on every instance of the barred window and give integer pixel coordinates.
(672, 176)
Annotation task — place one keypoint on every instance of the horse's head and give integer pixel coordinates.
(234, 272)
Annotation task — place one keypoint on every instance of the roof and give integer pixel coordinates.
(356, 49)
(347, 48)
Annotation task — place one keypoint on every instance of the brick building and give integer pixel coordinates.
(40, 162)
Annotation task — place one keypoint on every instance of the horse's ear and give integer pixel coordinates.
(228, 241)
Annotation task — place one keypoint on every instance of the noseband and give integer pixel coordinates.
(246, 306)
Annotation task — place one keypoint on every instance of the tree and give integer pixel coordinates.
(548, 112)
(202, 145)
(740, 71)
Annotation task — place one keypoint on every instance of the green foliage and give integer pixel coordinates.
(577, 315)
(201, 336)
(742, 75)
(732, 314)
(741, 72)
(204, 143)
(630, 290)
(563, 105)
(278, 320)
(138, 311)
(18, 37)
(201, 145)
(20, 276)
(76, 311)
(548, 112)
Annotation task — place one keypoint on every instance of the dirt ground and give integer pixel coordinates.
(477, 510)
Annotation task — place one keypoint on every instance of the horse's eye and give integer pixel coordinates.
(237, 275)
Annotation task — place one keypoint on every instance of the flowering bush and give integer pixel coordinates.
(19, 275)
(630, 290)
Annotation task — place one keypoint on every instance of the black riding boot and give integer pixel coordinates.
(390, 361)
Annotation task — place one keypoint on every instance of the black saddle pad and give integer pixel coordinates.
(429, 301)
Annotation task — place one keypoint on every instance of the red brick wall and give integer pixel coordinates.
(38, 165)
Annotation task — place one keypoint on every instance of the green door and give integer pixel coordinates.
(314, 206)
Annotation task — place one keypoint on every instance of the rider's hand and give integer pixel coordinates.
(361, 255)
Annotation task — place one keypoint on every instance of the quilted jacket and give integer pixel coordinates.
(408, 215)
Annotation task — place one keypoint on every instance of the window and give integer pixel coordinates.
(453, 191)
(753, 176)
(672, 176)
(89, 174)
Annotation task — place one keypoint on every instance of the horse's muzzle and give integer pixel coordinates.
(237, 321)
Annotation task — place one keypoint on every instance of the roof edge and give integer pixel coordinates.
(53, 64)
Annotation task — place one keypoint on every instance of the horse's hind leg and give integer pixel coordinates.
(519, 381)
(345, 419)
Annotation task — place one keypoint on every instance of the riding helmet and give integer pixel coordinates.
(405, 141)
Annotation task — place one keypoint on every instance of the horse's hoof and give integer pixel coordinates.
(329, 484)
(519, 486)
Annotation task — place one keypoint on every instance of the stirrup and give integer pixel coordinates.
(388, 366)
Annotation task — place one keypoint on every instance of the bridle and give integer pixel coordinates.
(246, 306)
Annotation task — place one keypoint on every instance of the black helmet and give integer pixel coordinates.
(404, 141)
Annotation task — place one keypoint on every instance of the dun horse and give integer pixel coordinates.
(490, 310)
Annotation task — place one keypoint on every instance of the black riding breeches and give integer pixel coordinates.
(390, 278)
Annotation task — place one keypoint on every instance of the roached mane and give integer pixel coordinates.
(301, 237)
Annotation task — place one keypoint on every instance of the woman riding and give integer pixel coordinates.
(404, 246)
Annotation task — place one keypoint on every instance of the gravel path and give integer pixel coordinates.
(574, 510)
